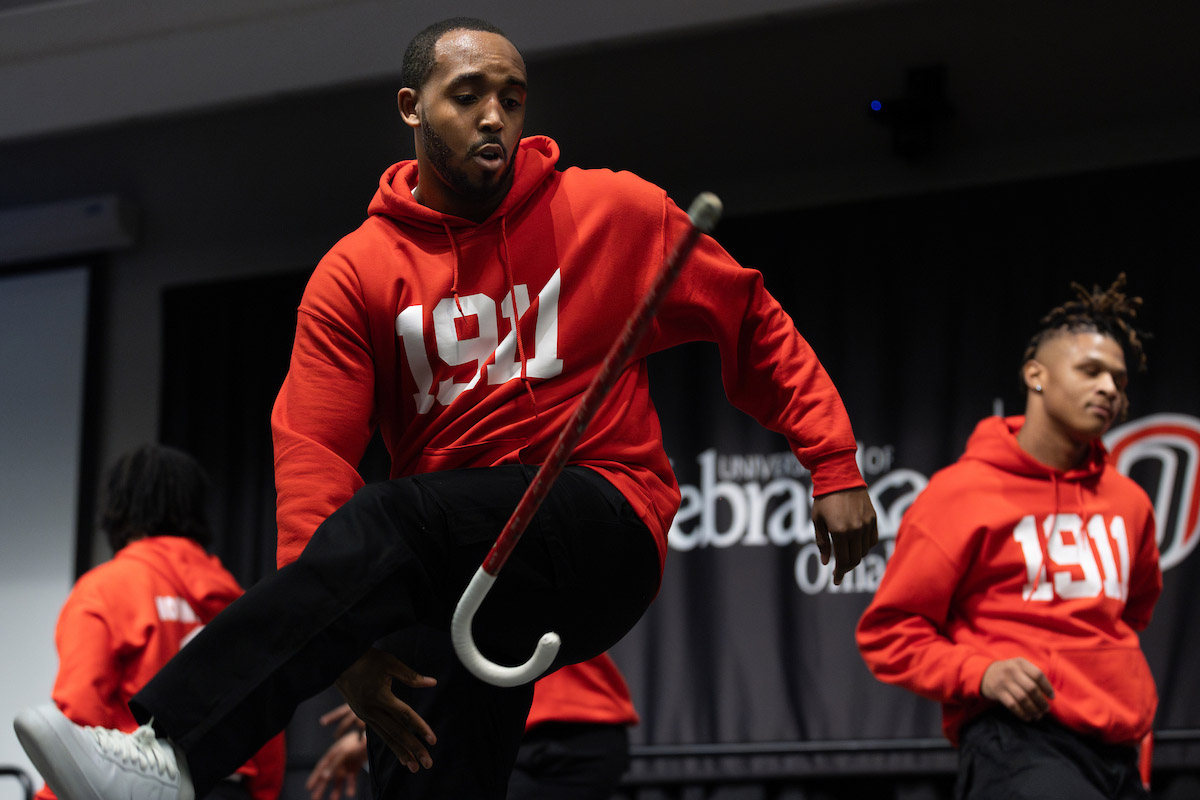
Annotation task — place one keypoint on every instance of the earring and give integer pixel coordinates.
(1037, 387)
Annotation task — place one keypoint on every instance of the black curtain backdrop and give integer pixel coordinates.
(745, 670)
(225, 353)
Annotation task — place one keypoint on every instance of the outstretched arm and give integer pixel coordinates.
(770, 372)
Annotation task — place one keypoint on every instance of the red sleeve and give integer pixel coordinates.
(900, 634)
(88, 685)
(322, 419)
(1145, 579)
(768, 370)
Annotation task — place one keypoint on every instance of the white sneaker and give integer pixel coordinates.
(84, 763)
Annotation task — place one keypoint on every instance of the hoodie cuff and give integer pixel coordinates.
(835, 472)
(970, 675)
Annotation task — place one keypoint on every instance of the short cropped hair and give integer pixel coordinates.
(419, 56)
(155, 490)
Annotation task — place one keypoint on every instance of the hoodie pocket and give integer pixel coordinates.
(478, 454)
(1107, 691)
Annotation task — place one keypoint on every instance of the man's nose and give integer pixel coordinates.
(491, 117)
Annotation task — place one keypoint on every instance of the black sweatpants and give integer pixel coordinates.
(388, 568)
(570, 761)
(1003, 758)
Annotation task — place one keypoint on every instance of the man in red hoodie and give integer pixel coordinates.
(463, 321)
(127, 617)
(1021, 574)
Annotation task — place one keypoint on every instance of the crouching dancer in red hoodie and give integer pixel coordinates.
(126, 618)
(1021, 574)
(463, 321)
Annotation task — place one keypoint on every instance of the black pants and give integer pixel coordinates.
(570, 761)
(229, 790)
(390, 565)
(1002, 757)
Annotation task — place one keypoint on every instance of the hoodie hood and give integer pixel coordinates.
(534, 162)
(196, 576)
(994, 442)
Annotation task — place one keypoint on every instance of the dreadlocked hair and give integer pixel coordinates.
(1109, 312)
(155, 490)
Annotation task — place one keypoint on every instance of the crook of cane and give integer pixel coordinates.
(704, 213)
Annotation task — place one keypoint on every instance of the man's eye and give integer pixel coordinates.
(512, 104)
(464, 98)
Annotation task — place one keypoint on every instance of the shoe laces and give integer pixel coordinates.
(142, 747)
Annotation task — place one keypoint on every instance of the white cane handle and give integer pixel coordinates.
(475, 661)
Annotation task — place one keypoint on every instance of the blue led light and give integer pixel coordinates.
(876, 105)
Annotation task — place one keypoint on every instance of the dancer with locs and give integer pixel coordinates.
(1022, 573)
(463, 321)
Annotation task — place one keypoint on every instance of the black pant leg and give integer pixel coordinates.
(397, 554)
(478, 726)
(570, 761)
(237, 683)
(586, 568)
(1001, 757)
(229, 790)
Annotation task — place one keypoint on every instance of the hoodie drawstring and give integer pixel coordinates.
(454, 267)
(1043, 536)
(512, 296)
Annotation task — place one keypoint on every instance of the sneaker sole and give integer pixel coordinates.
(35, 729)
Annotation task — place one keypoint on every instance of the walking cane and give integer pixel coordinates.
(704, 213)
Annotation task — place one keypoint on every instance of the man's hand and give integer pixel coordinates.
(339, 767)
(367, 687)
(845, 527)
(1019, 686)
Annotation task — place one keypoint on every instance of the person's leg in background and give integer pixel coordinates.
(570, 761)
(1002, 757)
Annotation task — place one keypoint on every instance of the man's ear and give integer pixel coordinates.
(1034, 373)
(408, 101)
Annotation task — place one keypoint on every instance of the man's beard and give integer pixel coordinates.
(440, 155)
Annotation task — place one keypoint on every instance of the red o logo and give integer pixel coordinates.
(1162, 453)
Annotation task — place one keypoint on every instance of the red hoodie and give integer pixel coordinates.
(591, 691)
(968, 584)
(125, 619)
(407, 325)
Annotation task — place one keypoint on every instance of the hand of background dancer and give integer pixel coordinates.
(1019, 686)
(345, 718)
(339, 766)
(845, 526)
(367, 687)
